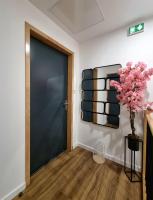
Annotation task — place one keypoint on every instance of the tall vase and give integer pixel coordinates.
(133, 139)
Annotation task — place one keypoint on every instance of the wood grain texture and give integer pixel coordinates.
(27, 103)
(74, 175)
(70, 101)
(144, 158)
(150, 120)
(32, 31)
(147, 120)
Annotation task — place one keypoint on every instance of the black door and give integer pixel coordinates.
(48, 93)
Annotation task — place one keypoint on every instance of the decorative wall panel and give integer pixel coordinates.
(99, 103)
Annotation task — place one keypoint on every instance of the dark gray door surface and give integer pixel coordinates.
(48, 92)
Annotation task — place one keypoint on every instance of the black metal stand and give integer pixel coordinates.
(131, 172)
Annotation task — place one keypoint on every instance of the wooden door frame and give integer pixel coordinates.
(32, 31)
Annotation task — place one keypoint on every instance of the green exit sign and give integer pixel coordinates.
(136, 29)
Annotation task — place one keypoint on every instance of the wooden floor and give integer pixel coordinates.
(76, 176)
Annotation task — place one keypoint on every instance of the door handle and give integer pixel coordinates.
(66, 104)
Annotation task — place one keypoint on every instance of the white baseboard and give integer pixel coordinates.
(108, 156)
(75, 145)
(88, 148)
(14, 192)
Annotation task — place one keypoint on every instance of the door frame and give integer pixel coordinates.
(32, 31)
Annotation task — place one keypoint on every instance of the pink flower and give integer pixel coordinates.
(132, 85)
(150, 71)
(120, 71)
(142, 65)
(148, 106)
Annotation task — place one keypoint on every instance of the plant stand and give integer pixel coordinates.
(131, 172)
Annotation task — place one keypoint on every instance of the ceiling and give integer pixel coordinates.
(85, 19)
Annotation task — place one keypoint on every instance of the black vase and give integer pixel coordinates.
(133, 142)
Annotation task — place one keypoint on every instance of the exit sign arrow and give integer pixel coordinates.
(140, 27)
(136, 29)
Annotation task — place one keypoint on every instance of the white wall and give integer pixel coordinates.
(112, 48)
(13, 14)
(115, 48)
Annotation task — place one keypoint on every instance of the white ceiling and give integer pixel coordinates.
(85, 19)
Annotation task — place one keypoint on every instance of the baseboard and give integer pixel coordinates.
(88, 148)
(75, 145)
(107, 156)
(14, 192)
